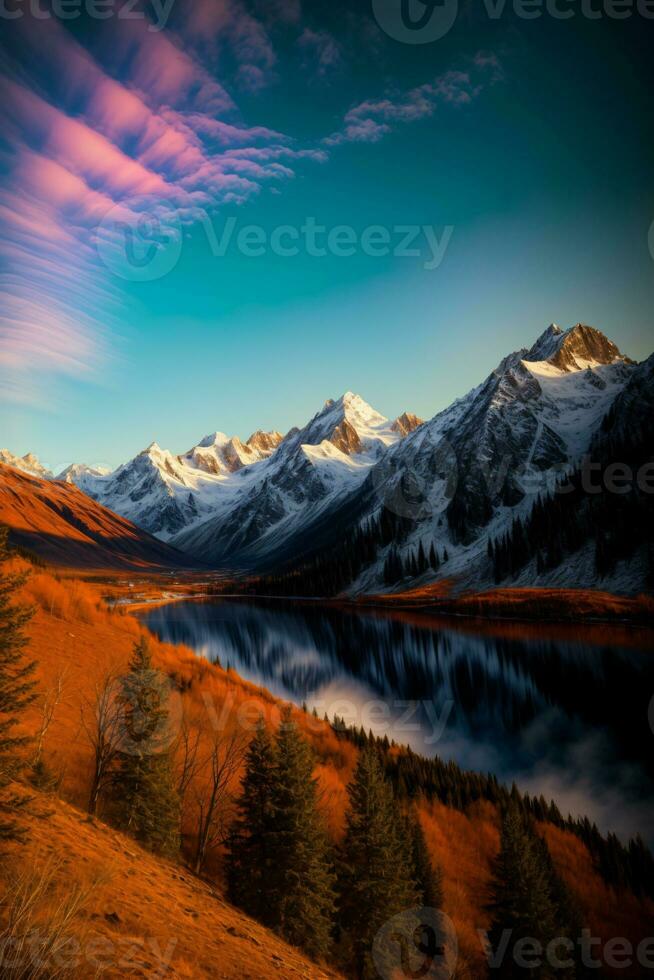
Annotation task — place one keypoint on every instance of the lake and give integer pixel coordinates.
(561, 710)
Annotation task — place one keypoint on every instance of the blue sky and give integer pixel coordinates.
(531, 141)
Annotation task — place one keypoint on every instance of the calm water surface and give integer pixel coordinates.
(561, 711)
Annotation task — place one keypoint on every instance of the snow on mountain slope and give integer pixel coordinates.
(465, 475)
(156, 490)
(311, 470)
(238, 485)
(218, 453)
(27, 464)
(83, 476)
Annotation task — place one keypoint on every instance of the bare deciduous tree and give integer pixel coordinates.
(102, 722)
(213, 793)
(188, 756)
(48, 702)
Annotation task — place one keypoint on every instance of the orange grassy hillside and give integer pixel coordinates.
(76, 640)
(63, 526)
(137, 916)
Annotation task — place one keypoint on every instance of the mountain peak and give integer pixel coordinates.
(213, 439)
(575, 349)
(264, 443)
(27, 463)
(546, 345)
(406, 423)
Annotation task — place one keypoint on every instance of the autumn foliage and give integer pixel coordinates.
(76, 640)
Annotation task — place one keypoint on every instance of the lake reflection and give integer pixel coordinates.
(566, 716)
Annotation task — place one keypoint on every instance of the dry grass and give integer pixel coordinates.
(549, 604)
(105, 908)
(42, 922)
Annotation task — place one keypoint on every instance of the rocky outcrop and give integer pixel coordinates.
(406, 423)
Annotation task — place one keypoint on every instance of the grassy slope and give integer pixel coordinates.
(148, 912)
(63, 526)
(73, 633)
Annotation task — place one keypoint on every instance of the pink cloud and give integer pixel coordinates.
(167, 137)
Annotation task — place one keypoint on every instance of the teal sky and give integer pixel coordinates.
(537, 152)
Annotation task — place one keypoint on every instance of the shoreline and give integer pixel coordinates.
(635, 618)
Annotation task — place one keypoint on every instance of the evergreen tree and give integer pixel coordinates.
(428, 879)
(302, 881)
(521, 901)
(145, 800)
(17, 691)
(376, 874)
(569, 922)
(250, 855)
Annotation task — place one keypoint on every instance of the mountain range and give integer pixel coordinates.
(453, 485)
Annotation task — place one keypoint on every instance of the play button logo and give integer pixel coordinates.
(415, 21)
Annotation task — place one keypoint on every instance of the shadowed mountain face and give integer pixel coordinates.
(567, 717)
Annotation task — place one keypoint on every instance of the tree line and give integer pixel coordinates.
(414, 777)
(330, 573)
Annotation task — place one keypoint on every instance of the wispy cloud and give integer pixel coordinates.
(370, 121)
(88, 132)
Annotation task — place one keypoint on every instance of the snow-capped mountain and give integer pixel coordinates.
(27, 464)
(83, 476)
(463, 476)
(165, 493)
(312, 470)
(459, 479)
(218, 454)
(244, 488)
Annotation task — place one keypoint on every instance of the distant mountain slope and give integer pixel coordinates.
(605, 518)
(63, 526)
(434, 501)
(313, 470)
(241, 501)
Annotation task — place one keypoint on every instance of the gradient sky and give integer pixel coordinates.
(533, 140)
